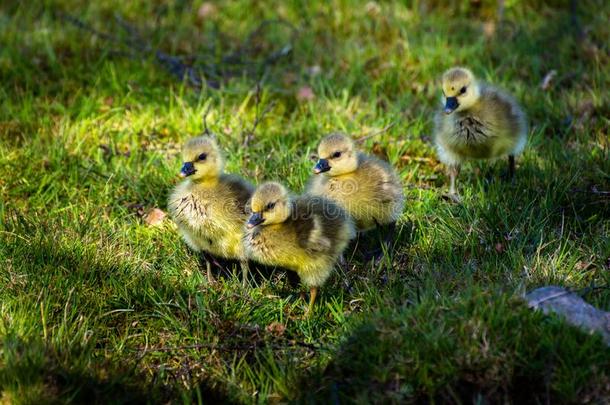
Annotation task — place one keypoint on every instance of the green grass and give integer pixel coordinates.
(96, 303)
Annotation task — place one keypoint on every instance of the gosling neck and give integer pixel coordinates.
(207, 181)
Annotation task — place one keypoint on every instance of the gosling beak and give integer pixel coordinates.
(187, 169)
(255, 219)
(321, 167)
(451, 104)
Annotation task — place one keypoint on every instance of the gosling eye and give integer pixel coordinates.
(463, 90)
(336, 155)
(270, 206)
(203, 156)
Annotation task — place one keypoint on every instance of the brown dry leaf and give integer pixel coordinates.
(372, 8)
(305, 93)
(582, 266)
(276, 329)
(206, 10)
(106, 104)
(154, 217)
(548, 78)
(489, 29)
(499, 247)
(137, 208)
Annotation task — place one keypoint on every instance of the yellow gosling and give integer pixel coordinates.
(305, 234)
(478, 121)
(209, 206)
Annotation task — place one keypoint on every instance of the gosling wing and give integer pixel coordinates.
(240, 189)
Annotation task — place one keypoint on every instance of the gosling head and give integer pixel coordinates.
(460, 89)
(202, 159)
(337, 155)
(270, 204)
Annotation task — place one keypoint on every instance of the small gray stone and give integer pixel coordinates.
(572, 308)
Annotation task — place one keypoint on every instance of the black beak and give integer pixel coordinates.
(451, 104)
(255, 219)
(321, 167)
(187, 169)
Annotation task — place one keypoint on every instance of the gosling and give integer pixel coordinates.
(478, 121)
(304, 234)
(368, 188)
(209, 206)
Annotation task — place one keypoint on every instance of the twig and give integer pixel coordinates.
(201, 74)
(381, 131)
(134, 34)
(206, 130)
(259, 115)
(86, 27)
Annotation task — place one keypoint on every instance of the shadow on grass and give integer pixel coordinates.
(477, 346)
(34, 372)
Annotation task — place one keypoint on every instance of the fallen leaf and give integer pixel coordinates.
(546, 82)
(137, 208)
(489, 29)
(154, 217)
(305, 93)
(499, 247)
(109, 101)
(276, 328)
(206, 10)
(372, 8)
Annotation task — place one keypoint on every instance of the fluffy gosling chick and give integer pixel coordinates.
(368, 188)
(304, 234)
(209, 206)
(478, 121)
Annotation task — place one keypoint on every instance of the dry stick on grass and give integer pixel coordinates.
(375, 133)
(206, 130)
(199, 75)
(248, 135)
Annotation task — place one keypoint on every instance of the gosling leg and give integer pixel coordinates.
(386, 233)
(204, 257)
(390, 230)
(454, 170)
(245, 268)
(511, 167)
(313, 293)
(377, 251)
